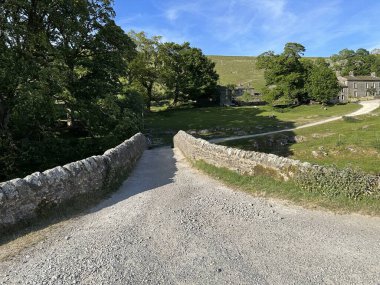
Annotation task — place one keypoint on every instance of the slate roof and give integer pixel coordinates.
(361, 78)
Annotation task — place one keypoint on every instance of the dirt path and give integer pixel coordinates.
(169, 224)
(367, 107)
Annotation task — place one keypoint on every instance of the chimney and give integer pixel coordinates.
(351, 73)
(373, 74)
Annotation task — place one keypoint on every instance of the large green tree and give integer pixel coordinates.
(322, 84)
(61, 52)
(145, 68)
(284, 74)
(95, 53)
(28, 69)
(187, 73)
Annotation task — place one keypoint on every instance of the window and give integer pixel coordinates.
(355, 85)
(356, 93)
(374, 85)
(367, 85)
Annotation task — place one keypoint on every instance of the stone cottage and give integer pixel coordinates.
(358, 86)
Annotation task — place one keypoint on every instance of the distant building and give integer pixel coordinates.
(358, 86)
(227, 95)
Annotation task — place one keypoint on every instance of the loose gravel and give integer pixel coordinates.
(170, 224)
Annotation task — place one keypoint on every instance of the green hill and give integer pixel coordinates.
(238, 70)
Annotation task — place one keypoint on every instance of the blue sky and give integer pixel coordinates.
(250, 27)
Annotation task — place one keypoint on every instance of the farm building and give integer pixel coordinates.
(358, 86)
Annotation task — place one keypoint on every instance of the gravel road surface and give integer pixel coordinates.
(170, 224)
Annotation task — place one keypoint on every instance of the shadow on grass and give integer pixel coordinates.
(213, 122)
(278, 144)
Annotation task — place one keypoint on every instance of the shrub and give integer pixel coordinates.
(332, 182)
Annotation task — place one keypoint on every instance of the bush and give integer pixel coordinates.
(331, 182)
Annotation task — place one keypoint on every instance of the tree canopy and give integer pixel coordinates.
(67, 71)
(180, 71)
(361, 62)
(187, 73)
(284, 74)
(292, 79)
(321, 84)
(61, 62)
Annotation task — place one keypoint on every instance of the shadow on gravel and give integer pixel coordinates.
(155, 168)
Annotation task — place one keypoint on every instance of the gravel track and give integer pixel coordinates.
(170, 224)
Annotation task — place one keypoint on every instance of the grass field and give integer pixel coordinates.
(265, 186)
(238, 70)
(225, 121)
(351, 142)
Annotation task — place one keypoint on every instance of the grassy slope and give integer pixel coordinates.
(228, 119)
(238, 69)
(353, 142)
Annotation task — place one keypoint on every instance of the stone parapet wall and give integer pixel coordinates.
(328, 181)
(249, 162)
(21, 199)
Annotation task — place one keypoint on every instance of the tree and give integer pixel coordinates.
(99, 82)
(54, 52)
(145, 68)
(361, 62)
(187, 73)
(322, 84)
(285, 74)
(28, 69)
(95, 53)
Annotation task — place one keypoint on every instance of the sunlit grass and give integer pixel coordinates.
(265, 186)
(225, 121)
(350, 142)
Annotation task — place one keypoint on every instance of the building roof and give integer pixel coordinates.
(361, 78)
(341, 84)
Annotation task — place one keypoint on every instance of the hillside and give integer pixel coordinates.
(238, 70)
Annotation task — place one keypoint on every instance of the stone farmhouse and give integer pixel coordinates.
(358, 87)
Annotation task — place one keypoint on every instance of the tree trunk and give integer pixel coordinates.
(176, 94)
(149, 90)
(4, 117)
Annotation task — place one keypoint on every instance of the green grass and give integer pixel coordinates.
(238, 70)
(265, 186)
(226, 121)
(351, 142)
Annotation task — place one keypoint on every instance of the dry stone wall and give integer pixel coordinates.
(21, 199)
(249, 162)
(328, 181)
